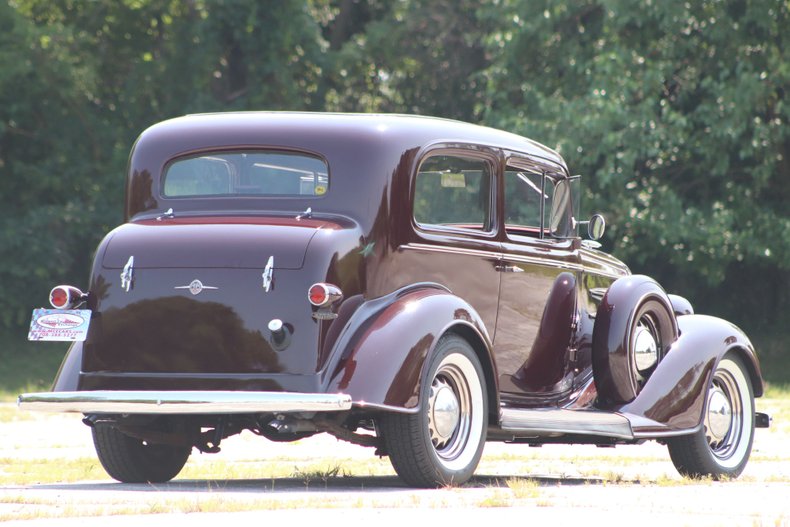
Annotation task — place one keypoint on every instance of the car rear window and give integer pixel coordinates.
(253, 173)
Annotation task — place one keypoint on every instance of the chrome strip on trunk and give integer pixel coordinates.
(182, 402)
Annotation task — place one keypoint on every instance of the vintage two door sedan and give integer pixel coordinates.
(412, 284)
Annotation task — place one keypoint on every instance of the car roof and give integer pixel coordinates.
(377, 150)
(395, 130)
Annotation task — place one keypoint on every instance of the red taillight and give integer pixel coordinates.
(321, 295)
(318, 294)
(66, 297)
(58, 297)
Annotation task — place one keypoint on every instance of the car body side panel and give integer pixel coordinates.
(673, 399)
(534, 303)
(545, 368)
(380, 361)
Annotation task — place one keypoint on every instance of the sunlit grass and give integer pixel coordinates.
(523, 488)
(9, 413)
(777, 391)
(497, 498)
(21, 471)
(309, 472)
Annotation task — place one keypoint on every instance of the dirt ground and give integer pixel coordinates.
(324, 480)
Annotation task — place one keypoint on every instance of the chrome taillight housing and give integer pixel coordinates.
(66, 297)
(323, 295)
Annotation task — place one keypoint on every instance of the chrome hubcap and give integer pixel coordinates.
(724, 416)
(449, 412)
(445, 412)
(719, 417)
(646, 347)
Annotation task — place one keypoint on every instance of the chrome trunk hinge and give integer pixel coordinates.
(168, 214)
(268, 274)
(127, 275)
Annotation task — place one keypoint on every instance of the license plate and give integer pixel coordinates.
(59, 324)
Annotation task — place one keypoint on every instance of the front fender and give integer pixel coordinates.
(673, 399)
(380, 362)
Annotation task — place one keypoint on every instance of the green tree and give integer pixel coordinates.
(419, 56)
(80, 80)
(675, 112)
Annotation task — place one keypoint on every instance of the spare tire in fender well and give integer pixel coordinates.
(634, 313)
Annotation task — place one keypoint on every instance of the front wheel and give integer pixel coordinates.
(442, 443)
(721, 448)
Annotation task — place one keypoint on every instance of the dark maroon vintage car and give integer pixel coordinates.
(412, 284)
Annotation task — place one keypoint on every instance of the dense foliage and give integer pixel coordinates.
(674, 111)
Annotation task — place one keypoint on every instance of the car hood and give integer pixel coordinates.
(212, 242)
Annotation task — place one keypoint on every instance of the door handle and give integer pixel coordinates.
(508, 269)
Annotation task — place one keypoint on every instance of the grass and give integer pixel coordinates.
(322, 474)
(524, 488)
(513, 491)
(308, 472)
(27, 366)
(20, 471)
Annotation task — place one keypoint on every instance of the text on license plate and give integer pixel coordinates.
(59, 324)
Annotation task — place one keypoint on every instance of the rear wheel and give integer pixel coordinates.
(131, 460)
(442, 443)
(722, 447)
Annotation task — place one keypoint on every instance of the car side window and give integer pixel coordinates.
(526, 197)
(453, 191)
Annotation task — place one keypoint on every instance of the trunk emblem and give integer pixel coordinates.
(195, 287)
(127, 276)
(268, 274)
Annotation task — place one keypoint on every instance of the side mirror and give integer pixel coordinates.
(596, 227)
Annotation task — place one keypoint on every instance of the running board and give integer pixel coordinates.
(559, 421)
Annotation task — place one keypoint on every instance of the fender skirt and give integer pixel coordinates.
(673, 399)
(380, 363)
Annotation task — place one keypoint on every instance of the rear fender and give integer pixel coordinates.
(379, 361)
(673, 399)
(68, 376)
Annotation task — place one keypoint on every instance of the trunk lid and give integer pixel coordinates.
(198, 302)
(212, 242)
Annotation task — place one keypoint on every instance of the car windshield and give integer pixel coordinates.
(255, 173)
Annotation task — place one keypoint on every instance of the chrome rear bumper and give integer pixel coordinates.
(182, 402)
